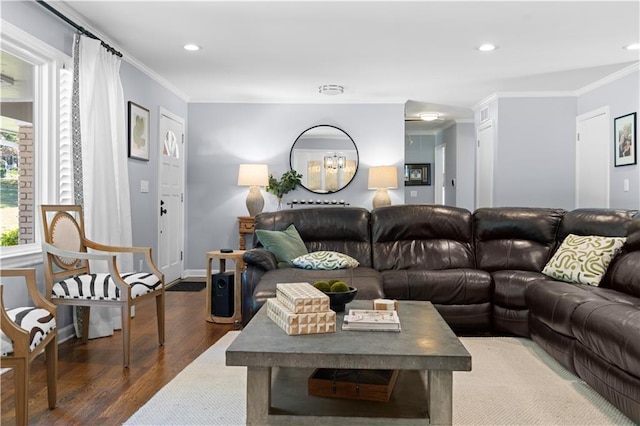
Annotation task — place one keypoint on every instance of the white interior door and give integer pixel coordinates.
(484, 166)
(439, 175)
(171, 232)
(593, 156)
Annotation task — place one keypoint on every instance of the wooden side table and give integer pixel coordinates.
(246, 226)
(236, 257)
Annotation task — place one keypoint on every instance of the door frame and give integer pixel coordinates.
(163, 111)
(483, 126)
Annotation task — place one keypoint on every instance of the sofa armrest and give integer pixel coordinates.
(260, 258)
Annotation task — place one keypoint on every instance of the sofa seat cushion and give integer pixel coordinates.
(368, 281)
(553, 303)
(466, 318)
(610, 330)
(509, 287)
(448, 286)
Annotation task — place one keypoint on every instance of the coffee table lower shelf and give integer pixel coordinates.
(291, 405)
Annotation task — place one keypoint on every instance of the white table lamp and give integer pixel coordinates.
(381, 178)
(253, 176)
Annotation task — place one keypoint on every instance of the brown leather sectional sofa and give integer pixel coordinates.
(482, 271)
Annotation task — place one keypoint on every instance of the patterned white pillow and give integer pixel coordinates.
(583, 259)
(325, 260)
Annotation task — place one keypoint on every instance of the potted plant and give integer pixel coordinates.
(287, 182)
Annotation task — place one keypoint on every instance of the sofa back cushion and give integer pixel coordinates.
(603, 222)
(623, 274)
(340, 229)
(420, 236)
(511, 238)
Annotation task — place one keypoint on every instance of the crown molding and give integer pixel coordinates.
(559, 94)
(80, 20)
(609, 79)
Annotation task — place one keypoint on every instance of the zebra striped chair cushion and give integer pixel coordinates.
(38, 322)
(102, 287)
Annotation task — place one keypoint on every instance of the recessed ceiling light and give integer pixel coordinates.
(331, 89)
(429, 116)
(487, 47)
(191, 47)
(634, 46)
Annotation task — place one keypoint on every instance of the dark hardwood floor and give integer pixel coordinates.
(94, 388)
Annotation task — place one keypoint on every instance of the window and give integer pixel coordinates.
(32, 112)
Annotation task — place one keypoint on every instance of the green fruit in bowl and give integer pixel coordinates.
(323, 286)
(339, 287)
(333, 281)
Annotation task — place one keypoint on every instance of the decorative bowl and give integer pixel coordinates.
(338, 300)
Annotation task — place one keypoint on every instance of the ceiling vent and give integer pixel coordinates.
(484, 114)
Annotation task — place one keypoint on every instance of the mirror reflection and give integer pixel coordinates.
(327, 158)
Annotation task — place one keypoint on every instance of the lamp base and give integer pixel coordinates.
(255, 201)
(382, 198)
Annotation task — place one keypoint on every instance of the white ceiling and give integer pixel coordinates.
(423, 52)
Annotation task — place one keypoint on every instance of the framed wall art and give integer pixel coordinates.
(417, 174)
(138, 132)
(624, 136)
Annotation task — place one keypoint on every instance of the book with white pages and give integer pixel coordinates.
(371, 320)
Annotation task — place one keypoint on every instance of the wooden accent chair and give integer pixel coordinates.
(25, 333)
(69, 280)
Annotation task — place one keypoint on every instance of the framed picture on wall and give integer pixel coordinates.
(138, 132)
(417, 174)
(624, 137)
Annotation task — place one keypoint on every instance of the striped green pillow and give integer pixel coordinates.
(325, 260)
(583, 259)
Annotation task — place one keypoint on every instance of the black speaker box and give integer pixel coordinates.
(222, 294)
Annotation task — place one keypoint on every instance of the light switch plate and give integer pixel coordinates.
(414, 194)
(625, 185)
(144, 186)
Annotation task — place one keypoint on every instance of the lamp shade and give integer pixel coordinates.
(253, 175)
(383, 177)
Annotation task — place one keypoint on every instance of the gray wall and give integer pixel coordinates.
(148, 93)
(465, 165)
(222, 136)
(535, 152)
(420, 149)
(139, 88)
(622, 96)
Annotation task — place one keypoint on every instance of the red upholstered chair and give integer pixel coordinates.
(25, 333)
(69, 280)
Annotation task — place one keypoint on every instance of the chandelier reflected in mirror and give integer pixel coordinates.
(334, 161)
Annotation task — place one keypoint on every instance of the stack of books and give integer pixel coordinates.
(300, 308)
(371, 320)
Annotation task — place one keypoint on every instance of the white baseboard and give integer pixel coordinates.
(197, 273)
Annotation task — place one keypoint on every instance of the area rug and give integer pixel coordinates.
(188, 286)
(513, 382)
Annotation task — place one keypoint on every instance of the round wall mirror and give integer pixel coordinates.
(326, 157)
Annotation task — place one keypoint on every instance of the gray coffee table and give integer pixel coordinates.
(426, 351)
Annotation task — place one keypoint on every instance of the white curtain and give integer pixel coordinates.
(103, 127)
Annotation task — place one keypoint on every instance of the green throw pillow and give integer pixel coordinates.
(285, 245)
(583, 260)
(325, 260)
